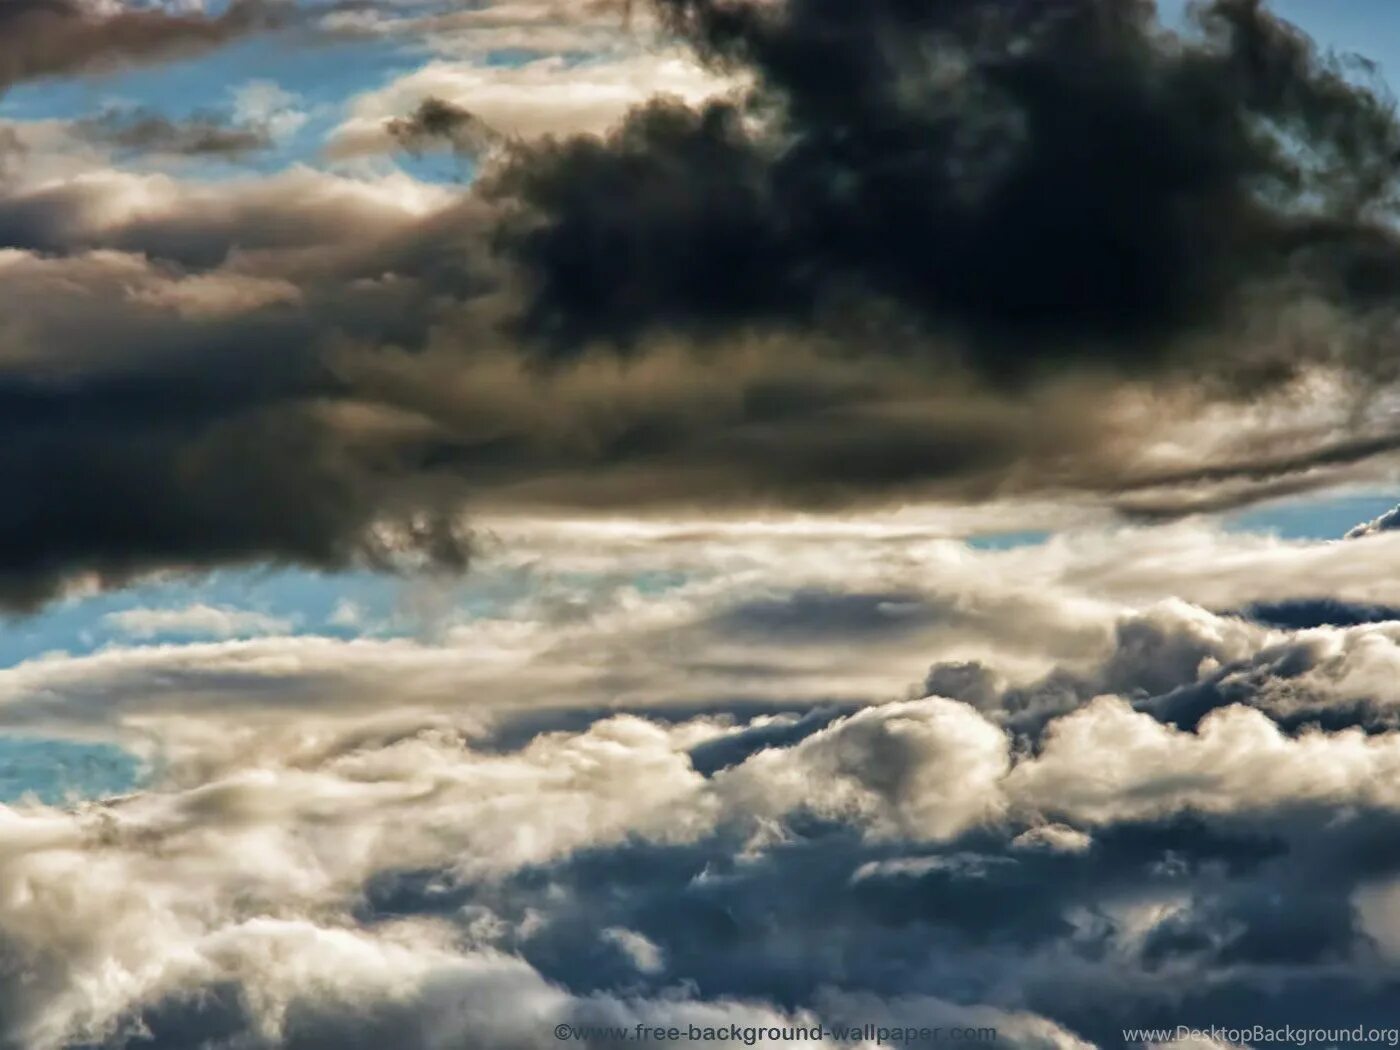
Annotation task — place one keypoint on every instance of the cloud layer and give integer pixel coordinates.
(786, 295)
(1159, 815)
(46, 38)
(734, 322)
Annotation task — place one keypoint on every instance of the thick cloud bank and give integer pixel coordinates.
(46, 38)
(1105, 809)
(1033, 182)
(838, 254)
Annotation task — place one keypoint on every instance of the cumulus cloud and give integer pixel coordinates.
(565, 813)
(928, 769)
(192, 899)
(1236, 760)
(903, 159)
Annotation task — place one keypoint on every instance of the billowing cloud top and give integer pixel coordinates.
(1103, 809)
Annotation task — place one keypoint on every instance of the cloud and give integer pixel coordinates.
(572, 626)
(267, 105)
(164, 417)
(439, 124)
(45, 38)
(148, 132)
(590, 27)
(1387, 521)
(372, 325)
(925, 770)
(645, 955)
(561, 810)
(893, 166)
(195, 621)
(730, 726)
(390, 869)
(711, 270)
(547, 94)
(394, 359)
(1318, 612)
(1236, 760)
(12, 150)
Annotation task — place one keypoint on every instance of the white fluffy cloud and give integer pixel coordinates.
(295, 778)
(546, 95)
(1106, 762)
(926, 769)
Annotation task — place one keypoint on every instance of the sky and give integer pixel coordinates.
(798, 523)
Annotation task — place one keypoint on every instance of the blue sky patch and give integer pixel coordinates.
(57, 772)
(1318, 518)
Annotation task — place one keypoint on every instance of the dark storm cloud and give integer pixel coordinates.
(1024, 187)
(1263, 475)
(163, 411)
(1038, 183)
(132, 475)
(44, 38)
(199, 135)
(200, 505)
(439, 124)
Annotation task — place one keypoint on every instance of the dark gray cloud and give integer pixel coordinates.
(439, 124)
(310, 359)
(44, 38)
(1297, 613)
(812, 616)
(165, 410)
(897, 162)
(142, 131)
(799, 280)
